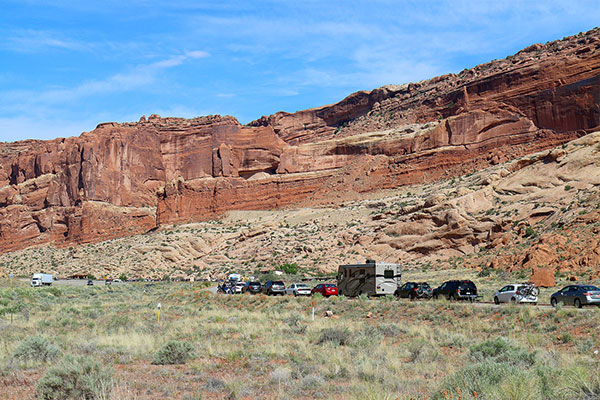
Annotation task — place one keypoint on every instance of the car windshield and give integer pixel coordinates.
(467, 285)
(589, 288)
(301, 286)
(425, 286)
(329, 285)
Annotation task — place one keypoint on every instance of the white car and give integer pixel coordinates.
(298, 289)
(239, 286)
(517, 293)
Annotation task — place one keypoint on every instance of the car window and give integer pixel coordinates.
(301, 285)
(388, 274)
(510, 288)
(443, 285)
(467, 285)
(330, 285)
(591, 288)
(504, 289)
(573, 289)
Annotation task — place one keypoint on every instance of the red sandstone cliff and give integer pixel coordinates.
(122, 179)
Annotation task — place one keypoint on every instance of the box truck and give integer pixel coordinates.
(38, 280)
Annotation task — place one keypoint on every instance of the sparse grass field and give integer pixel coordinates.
(243, 346)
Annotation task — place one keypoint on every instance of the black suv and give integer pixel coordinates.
(274, 287)
(252, 287)
(414, 290)
(456, 290)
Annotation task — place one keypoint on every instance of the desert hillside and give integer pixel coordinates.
(125, 179)
(541, 210)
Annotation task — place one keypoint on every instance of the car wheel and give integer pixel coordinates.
(496, 300)
(435, 296)
(577, 303)
(295, 294)
(553, 302)
(451, 297)
(513, 301)
(412, 297)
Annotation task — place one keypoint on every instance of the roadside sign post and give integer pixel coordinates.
(191, 281)
(158, 309)
(10, 276)
(313, 310)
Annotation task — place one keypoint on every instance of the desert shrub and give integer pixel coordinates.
(422, 350)
(530, 232)
(36, 348)
(367, 337)
(281, 375)
(501, 350)
(390, 329)
(215, 385)
(75, 378)
(475, 378)
(174, 352)
(291, 269)
(335, 336)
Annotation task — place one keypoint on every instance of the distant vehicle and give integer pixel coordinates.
(456, 290)
(252, 287)
(117, 280)
(326, 289)
(108, 282)
(372, 278)
(235, 277)
(414, 290)
(298, 289)
(274, 288)
(38, 280)
(517, 293)
(576, 295)
(90, 282)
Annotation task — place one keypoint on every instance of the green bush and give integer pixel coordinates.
(290, 269)
(174, 352)
(75, 378)
(36, 348)
(501, 350)
(336, 336)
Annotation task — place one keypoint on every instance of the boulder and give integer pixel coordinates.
(543, 277)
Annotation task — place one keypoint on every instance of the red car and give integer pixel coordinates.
(326, 289)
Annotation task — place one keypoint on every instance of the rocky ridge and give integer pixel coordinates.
(539, 213)
(130, 178)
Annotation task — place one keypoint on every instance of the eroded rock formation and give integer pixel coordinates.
(128, 178)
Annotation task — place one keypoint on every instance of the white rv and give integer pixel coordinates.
(41, 280)
(372, 279)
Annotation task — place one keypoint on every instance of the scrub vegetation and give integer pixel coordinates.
(106, 343)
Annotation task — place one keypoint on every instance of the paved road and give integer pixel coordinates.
(73, 282)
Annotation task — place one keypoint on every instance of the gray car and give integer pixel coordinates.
(577, 295)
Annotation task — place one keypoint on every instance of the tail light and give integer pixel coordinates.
(588, 293)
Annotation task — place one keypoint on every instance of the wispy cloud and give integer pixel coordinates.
(135, 78)
(29, 41)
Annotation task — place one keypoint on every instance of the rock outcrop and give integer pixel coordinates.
(128, 178)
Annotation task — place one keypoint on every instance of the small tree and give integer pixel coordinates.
(291, 269)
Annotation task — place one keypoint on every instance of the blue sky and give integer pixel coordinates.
(67, 65)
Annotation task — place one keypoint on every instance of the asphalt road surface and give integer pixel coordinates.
(74, 282)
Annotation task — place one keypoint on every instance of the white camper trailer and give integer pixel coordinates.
(372, 279)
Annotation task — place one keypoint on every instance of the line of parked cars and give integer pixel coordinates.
(274, 288)
(516, 293)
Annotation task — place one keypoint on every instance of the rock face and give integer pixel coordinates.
(123, 179)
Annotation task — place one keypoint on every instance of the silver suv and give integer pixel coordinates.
(517, 293)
